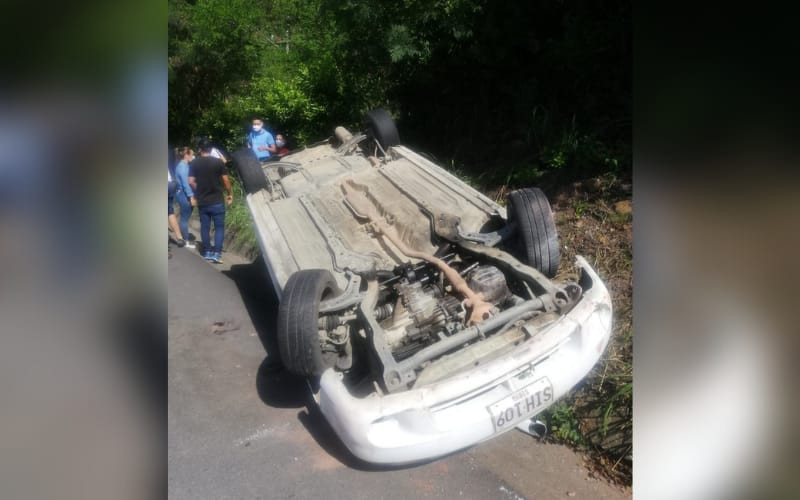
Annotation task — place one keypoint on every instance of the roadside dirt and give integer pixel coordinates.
(595, 219)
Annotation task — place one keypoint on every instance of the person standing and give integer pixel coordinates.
(172, 190)
(215, 151)
(185, 194)
(207, 178)
(261, 141)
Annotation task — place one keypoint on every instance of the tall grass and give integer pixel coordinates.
(239, 234)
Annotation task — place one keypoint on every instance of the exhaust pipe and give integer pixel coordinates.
(535, 428)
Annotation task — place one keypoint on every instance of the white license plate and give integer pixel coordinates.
(521, 404)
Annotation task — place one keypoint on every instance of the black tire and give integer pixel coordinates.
(298, 314)
(250, 170)
(380, 126)
(536, 240)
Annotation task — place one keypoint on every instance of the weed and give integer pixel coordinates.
(580, 207)
(238, 222)
(564, 423)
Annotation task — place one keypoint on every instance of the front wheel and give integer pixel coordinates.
(536, 240)
(301, 342)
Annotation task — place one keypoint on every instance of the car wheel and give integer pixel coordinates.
(380, 126)
(536, 240)
(298, 322)
(250, 170)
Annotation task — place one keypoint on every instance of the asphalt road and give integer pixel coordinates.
(241, 429)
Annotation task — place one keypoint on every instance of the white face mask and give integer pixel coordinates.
(256, 128)
(279, 143)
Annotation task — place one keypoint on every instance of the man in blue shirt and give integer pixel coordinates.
(260, 141)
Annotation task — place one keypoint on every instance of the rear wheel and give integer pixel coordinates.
(381, 127)
(536, 240)
(250, 170)
(299, 339)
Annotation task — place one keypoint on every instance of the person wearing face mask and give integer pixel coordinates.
(280, 145)
(185, 194)
(261, 141)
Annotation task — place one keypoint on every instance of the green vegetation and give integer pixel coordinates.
(505, 94)
(239, 234)
(513, 93)
(564, 423)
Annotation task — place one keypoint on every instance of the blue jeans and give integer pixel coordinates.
(207, 213)
(186, 212)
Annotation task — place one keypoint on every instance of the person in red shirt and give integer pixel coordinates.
(280, 145)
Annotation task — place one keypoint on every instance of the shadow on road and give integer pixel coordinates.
(276, 387)
(279, 388)
(260, 300)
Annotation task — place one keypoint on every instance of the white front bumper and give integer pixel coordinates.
(452, 414)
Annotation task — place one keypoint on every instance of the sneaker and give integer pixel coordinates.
(216, 257)
(191, 237)
(189, 244)
(208, 255)
(181, 243)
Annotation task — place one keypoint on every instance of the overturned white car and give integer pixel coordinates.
(424, 312)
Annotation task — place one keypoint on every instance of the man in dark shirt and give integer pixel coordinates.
(207, 177)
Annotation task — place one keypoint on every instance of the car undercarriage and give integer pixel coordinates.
(397, 278)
